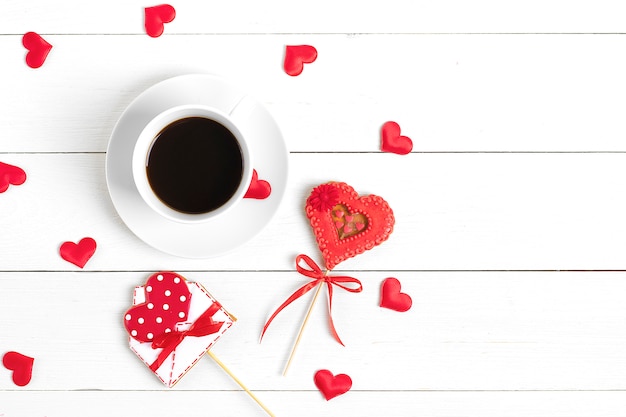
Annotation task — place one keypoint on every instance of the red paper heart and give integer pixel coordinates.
(371, 222)
(167, 303)
(37, 47)
(296, 56)
(392, 298)
(10, 175)
(332, 385)
(80, 253)
(259, 189)
(392, 141)
(21, 365)
(156, 16)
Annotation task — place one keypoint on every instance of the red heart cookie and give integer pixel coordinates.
(332, 385)
(296, 56)
(391, 141)
(80, 253)
(21, 365)
(345, 224)
(156, 16)
(10, 175)
(259, 189)
(392, 298)
(38, 49)
(167, 303)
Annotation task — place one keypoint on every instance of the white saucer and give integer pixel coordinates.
(233, 228)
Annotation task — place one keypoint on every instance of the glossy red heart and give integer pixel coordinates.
(259, 189)
(78, 253)
(167, 303)
(296, 56)
(392, 298)
(10, 175)
(156, 16)
(332, 385)
(339, 238)
(392, 141)
(21, 365)
(38, 49)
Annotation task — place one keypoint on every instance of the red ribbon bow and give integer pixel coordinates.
(203, 326)
(319, 277)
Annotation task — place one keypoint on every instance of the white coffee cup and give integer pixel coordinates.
(151, 136)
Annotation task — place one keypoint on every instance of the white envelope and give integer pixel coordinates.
(192, 348)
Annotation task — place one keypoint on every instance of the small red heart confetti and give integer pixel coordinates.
(21, 365)
(393, 142)
(10, 175)
(259, 189)
(37, 47)
(346, 224)
(330, 385)
(80, 253)
(296, 56)
(392, 298)
(156, 16)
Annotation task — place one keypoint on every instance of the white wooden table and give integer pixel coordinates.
(510, 233)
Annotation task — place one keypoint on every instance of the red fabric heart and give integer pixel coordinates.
(322, 209)
(10, 175)
(393, 142)
(259, 189)
(21, 365)
(167, 303)
(38, 49)
(330, 385)
(80, 253)
(296, 56)
(392, 298)
(156, 16)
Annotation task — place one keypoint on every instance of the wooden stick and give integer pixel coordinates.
(238, 381)
(306, 320)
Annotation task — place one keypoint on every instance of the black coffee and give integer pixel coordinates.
(194, 165)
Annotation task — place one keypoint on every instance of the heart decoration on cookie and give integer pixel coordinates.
(156, 16)
(296, 56)
(392, 298)
(10, 175)
(392, 141)
(21, 365)
(258, 189)
(167, 303)
(346, 224)
(331, 385)
(37, 47)
(78, 253)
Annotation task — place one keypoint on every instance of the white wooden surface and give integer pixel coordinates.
(510, 232)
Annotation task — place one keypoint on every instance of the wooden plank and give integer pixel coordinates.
(323, 16)
(466, 331)
(453, 212)
(310, 404)
(449, 93)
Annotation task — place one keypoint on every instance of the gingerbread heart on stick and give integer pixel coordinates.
(345, 225)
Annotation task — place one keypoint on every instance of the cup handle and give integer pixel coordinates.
(243, 109)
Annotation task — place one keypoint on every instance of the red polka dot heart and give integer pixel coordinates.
(167, 303)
